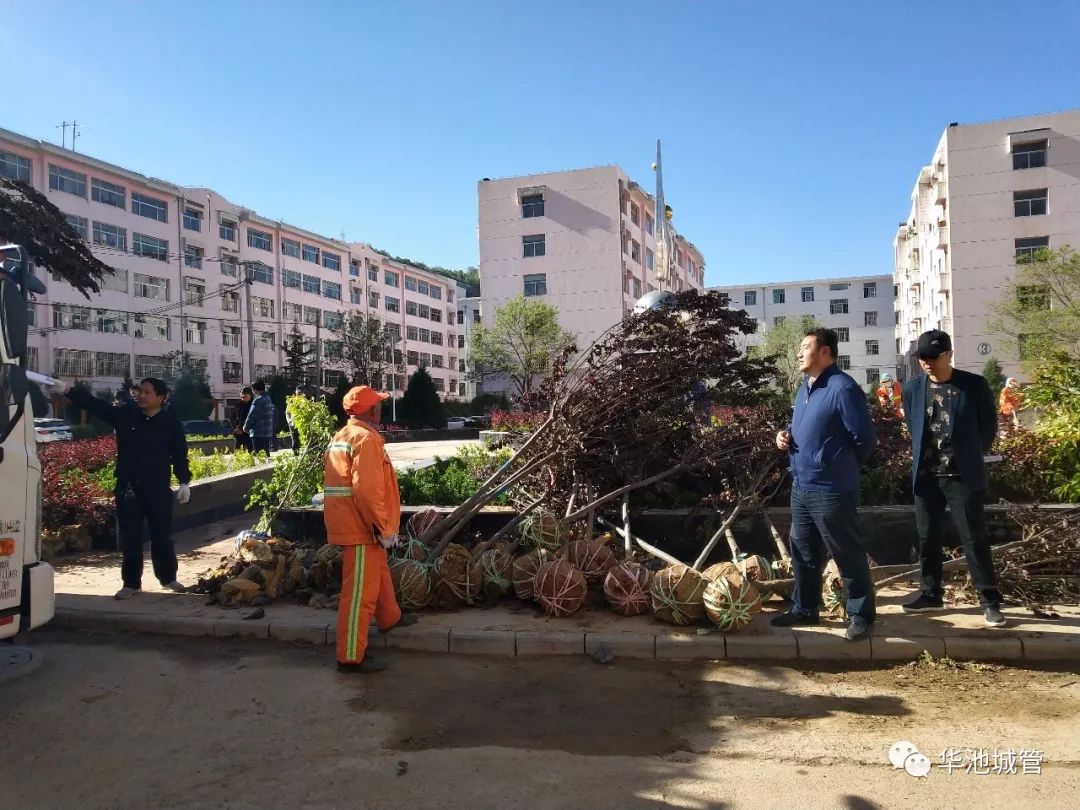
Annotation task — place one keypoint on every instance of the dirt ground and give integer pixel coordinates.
(120, 721)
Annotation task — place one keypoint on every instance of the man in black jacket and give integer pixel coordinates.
(149, 440)
(952, 421)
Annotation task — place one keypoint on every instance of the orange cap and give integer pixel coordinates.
(362, 399)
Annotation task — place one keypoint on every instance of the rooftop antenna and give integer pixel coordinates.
(662, 260)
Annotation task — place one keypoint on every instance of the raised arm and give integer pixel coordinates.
(97, 407)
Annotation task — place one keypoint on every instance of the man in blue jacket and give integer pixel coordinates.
(259, 422)
(952, 421)
(829, 438)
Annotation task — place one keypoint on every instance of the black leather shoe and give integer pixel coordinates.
(793, 619)
(923, 604)
(856, 631)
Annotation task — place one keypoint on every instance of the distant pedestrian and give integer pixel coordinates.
(950, 416)
(243, 441)
(1009, 404)
(829, 438)
(149, 440)
(259, 422)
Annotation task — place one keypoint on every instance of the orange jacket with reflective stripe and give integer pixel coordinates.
(1010, 401)
(360, 496)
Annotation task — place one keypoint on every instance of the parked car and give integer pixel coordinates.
(52, 430)
(455, 423)
(206, 427)
(481, 422)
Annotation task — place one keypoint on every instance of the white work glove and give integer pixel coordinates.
(393, 541)
(183, 495)
(60, 388)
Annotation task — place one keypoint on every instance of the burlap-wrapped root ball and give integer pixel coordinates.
(731, 602)
(412, 549)
(523, 573)
(496, 567)
(677, 593)
(456, 578)
(592, 559)
(560, 588)
(626, 588)
(412, 583)
(723, 569)
(756, 568)
(421, 522)
(542, 530)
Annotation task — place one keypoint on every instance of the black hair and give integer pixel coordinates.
(247, 390)
(259, 386)
(159, 386)
(825, 337)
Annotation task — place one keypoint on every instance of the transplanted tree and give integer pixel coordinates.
(299, 362)
(522, 345)
(366, 349)
(421, 406)
(781, 345)
(1039, 313)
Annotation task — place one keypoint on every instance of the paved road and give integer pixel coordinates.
(120, 721)
(416, 454)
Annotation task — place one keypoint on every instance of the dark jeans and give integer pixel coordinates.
(152, 507)
(243, 442)
(261, 444)
(932, 495)
(827, 522)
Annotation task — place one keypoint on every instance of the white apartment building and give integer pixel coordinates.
(859, 308)
(992, 194)
(468, 318)
(181, 256)
(583, 240)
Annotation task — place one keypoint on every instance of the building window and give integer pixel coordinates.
(193, 256)
(1026, 249)
(195, 332)
(778, 295)
(117, 280)
(390, 278)
(649, 223)
(290, 279)
(393, 304)
(870, 318)
(331, 320)
(194, 291)
(536, 284)
(15, 167)
(228, 263)
(449, 295)
(192, 219)
(871, 347)
(260, 240)
(1033, 297)
(331, 261)
(424, 335)
(331, 289)
(410, 283)
(533, 245)
(227, 230)
(807, 294)
(61, 179)
(436, 338)
(476, 314)
(70, 317)
(108, 193)
(779, 319)
(461, 317)
(73, 363)
(436, 361)
(151, 327)
(262, 307)
(869, 289)
(312, 315)
(354, 268)
(843, 361)
(150, 246)
(412, 358)
(230, 336)
(373, 274)
(264, 372)
(411, 308)
(635, 251)
(843, 334)
(461, 341)
(230, 371)
(635, 214)
(635, 287)
(290, 247)
(838, 306)
(873, 375)
(292, 312)
(1029, 203)
(896, 313)
(112, 364)
(436, 314)
(532, 205)
(149, 207)
(110, 235)
(230, 300)
(373, 299)
(311, 284)
(650, 259)
(439, 383)
(435, 292)
(78, 224)
(309, 253)
(412, 333)
(838, 287)
(1029, 155)
(749, 298)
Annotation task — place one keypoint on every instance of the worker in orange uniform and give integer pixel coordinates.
(1009, 403)
(362, 510)
(890, 395)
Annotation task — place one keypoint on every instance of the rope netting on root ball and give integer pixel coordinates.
(592, 558)
(626, 588)
(523, 572)
(496, 566)
(456, 578)
(677, 594)
(560, 588)
(412, 583)
(731, 602)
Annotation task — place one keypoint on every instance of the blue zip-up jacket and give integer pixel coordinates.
(831, 434)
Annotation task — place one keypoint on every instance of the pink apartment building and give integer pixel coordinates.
(583, 240)
(178, 254)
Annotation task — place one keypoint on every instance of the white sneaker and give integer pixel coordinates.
(175, 587)
(126, 593)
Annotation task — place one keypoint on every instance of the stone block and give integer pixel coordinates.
(622, 645)
(893, 648)
(140, 622)
(709, 647)
(94, 621)
(308, 632)
(481, 642)
(553, 642)
(766, 647)
(1051, 647)
(988, 647)
(418, 637)
(227, 628)
(194, 626)
(825, 645)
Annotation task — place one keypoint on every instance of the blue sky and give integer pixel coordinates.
(792, 131)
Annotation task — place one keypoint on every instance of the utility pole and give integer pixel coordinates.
(250, 328)
(63, 133)
(318, 354)
(74, 133)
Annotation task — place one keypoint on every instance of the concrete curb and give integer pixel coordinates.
(817, 645)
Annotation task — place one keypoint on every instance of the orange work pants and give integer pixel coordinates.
(366, 591)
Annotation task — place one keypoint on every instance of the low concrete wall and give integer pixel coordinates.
(210, 446)
(460, 434)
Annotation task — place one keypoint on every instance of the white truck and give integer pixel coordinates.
(27, 599)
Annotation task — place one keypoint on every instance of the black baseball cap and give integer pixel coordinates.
(933, 344)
